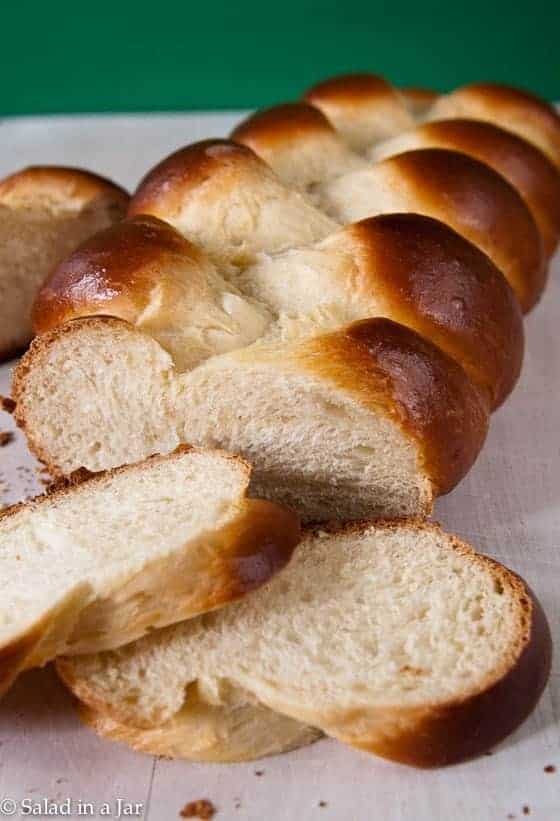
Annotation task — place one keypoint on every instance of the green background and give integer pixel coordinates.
(102, 56)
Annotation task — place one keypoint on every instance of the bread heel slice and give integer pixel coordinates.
(393, 637)
(97, 564)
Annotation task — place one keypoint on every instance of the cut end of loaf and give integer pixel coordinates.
(371, 418)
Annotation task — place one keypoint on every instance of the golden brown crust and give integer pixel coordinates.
(163, 190)
(281, 122)
(439, 734)
(512, 108)
(482, 206)
(45, 212)
(447, 733)
(349, 88)
(113, 273)
(220, 568)
(362, 107)
(57, 186)
(390, 368)
(418, 99)
(519, 161)
(446, 290)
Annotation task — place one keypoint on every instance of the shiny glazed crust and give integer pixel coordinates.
(517, 160)
(235, 559)
(362, 107)
(164, 188)
(435, 282)
(461, 191)
(479, 204)
(45, 211)
(280, 123)
(115, 272)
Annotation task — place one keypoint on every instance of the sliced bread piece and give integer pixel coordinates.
(99, 563)
(395, 638)
(370, 419)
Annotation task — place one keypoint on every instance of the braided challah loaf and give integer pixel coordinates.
(45, 212)
(238, 332)
(354, 363)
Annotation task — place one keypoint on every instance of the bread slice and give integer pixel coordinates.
(99, 563)
(395, 638)
(370, 419)
(45, 212)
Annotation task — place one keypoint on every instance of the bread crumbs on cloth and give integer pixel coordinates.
(6, 404)
(6, 437)
(202, 809)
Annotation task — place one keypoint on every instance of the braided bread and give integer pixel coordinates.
(236, 307)
(248, 303)
(45, 212)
